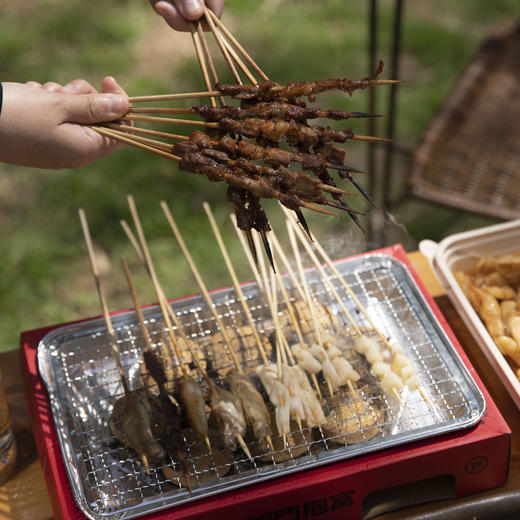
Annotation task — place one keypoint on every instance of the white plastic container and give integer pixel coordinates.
(460, 252)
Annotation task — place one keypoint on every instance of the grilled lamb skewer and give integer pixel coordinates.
(269, 91)
(274, 110)
(295, 133)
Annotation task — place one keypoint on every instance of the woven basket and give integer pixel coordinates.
(470, 155)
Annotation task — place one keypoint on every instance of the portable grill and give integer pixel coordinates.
(108, 481)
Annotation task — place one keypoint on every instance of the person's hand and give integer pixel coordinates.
(178, 12)
(44, 126)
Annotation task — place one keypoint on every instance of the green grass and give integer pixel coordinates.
(44, 274)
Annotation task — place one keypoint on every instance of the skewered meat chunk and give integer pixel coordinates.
(278, 395)
(255, 411)
(305, 359)
(193, 400)
(249, 213)
(329, 372)
(229, 415)
(272, 110)
(312, 410)
(369, 348)
(131, 423)
(345, 371)
(389, 381)
(268, 90)
(294, 132)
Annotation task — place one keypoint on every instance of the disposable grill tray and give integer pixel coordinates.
(109, 481)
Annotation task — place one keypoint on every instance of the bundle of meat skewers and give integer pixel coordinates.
(241, 144)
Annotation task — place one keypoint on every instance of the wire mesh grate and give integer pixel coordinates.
(108, 479)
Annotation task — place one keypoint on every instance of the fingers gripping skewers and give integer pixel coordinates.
(131, 419)
(268, 113)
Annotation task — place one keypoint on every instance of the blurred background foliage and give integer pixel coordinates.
(44, 272)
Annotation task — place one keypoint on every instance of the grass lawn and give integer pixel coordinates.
(44, 272)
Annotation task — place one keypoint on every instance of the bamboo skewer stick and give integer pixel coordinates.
(320, 269)
(156, 284)
(201, 283)
(160, 145)
(128, 140)
(233, 40)
(308, 298)
(200, 55)
(161, 110)
(169, 120)
(145, 131)
(101, 295)
(173, 97)
(209, 60)
(137, 306)
(249, 256)
(239, 62)
(139, 252)
(234, 278)
(207, 55)
(270, 298)
(222, 47)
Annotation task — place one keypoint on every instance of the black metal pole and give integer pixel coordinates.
(371, 130)
(392, 109)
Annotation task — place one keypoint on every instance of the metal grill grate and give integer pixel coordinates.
(78, 367)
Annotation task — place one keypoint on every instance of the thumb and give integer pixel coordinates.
(94, 108)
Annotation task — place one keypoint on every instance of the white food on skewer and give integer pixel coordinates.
(330, 344)
(312, 411)
(329, 372)
(345, 371)
(369, 348)
(305, 359)
(278, 395)
(389, 381)
(402, 366)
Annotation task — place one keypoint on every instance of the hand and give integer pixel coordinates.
(43, 126)
(178, 12)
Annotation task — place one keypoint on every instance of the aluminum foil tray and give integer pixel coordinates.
(108, 479)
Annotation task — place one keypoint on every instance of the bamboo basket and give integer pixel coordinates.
(469, 157)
